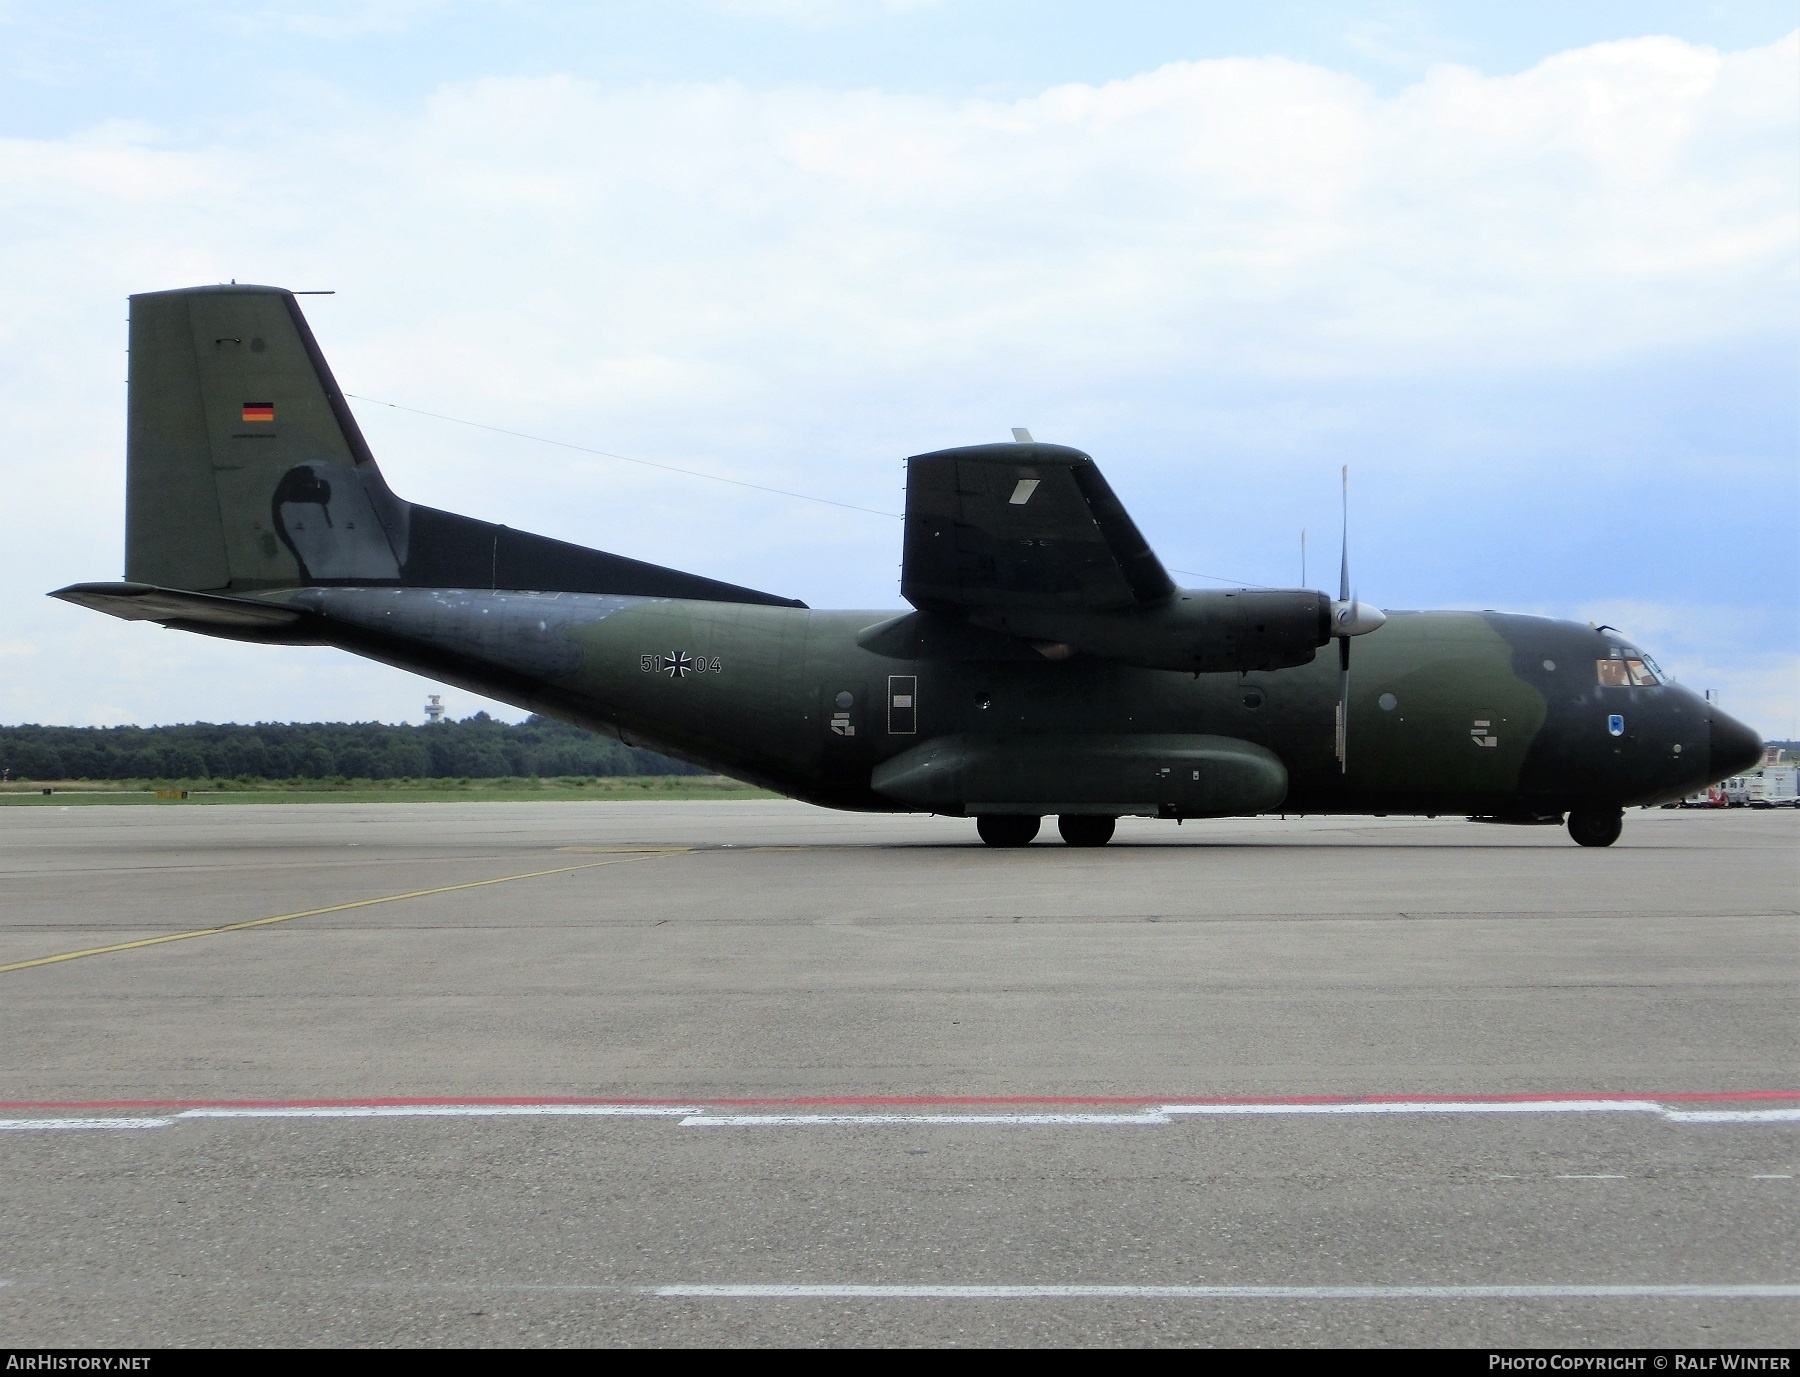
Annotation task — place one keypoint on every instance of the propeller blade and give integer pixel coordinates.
(1345, 618)
(1344, 562)
(1343, 705)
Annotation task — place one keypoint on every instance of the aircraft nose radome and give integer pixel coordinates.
(1735, 748)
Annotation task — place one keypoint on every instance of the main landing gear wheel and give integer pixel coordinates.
(1007, 829)
(1596, 824)
(1085, 829)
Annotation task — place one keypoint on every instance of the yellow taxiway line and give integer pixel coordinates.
(333, 908)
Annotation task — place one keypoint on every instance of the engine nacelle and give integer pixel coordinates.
(1199, 630)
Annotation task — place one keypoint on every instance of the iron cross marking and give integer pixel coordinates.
(677, 665)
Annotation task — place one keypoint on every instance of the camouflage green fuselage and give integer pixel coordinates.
(1049, 665)
(1449, 712)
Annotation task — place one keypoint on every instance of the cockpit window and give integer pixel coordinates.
(1627, 672)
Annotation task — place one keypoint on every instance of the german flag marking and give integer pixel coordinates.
(259, 411)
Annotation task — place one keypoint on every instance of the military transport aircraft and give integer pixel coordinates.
(1049, 664)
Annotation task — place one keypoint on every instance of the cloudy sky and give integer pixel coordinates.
(1532, 270)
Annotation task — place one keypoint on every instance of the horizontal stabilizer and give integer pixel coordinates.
(143, 602)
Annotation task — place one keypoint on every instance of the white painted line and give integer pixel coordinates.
(902, 1292)
(1592, 1176)
(1733, 1116)
(1148, 1116)
(448, 1111)
(1431, 1107)
(52, 1125)
(1151, 1117)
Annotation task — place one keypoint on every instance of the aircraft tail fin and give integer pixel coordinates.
(246, 470)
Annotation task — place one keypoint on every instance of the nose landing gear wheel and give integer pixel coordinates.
(1085, 829)
(1006, 829)
(1596, 824)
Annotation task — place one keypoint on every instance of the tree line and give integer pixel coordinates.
(477, 747)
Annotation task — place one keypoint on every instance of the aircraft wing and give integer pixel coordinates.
(1022, 527)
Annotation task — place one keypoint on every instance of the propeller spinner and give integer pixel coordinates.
(1348, 618)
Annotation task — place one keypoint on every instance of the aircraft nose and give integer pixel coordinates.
(1735, 748)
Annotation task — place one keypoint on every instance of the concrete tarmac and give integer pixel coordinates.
(545, 1073)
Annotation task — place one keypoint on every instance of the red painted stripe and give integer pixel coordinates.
(877, 1101)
